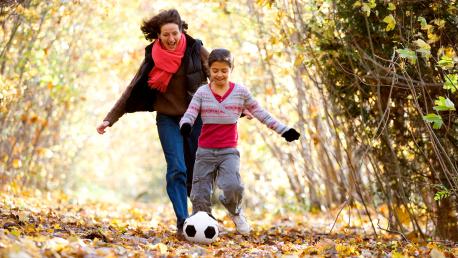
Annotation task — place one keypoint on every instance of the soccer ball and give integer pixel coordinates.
(200, 228)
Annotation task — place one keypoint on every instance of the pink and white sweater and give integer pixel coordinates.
(229, 110)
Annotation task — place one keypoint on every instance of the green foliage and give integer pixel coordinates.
(435, 119)
(451, 82)
(408, 54)
(386, 62)
(442, 193)
(443, 104)
(446, 62)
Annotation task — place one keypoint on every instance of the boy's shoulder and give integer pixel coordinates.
(240, 87)
(203, 88)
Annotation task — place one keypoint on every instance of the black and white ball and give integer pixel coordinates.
(201, 228)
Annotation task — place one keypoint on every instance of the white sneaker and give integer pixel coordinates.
(241, 224)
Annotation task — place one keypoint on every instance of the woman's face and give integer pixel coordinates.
(219, 73)
(170, 35)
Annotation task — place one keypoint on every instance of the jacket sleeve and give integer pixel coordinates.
(204, 59)
(119, 109)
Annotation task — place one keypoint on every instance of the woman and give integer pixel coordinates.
(175, 65)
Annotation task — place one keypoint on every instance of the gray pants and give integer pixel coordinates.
(221, 165)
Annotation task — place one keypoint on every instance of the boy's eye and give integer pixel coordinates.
(223, 70)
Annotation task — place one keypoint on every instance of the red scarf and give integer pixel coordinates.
(166, 63)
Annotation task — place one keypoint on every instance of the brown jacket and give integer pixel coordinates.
(138, 96)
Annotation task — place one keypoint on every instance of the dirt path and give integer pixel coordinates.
(56, 225)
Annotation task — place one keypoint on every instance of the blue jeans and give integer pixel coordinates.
(179, 155)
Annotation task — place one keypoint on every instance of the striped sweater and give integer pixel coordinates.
(229, 110)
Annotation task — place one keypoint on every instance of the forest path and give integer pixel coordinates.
(55, 225)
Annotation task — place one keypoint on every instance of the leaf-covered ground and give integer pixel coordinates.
(55, 225)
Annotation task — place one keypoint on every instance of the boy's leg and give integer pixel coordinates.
(204, 169)
(228, 179)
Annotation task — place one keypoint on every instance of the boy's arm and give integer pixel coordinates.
(193, 110)
(290, 134)
(262, 115)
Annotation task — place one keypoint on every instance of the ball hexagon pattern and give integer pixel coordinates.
(201, 228)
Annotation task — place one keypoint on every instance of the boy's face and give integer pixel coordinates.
(170, 35)
(219, 73)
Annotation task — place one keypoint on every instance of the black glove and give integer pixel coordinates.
(185, 129)
(291, 135)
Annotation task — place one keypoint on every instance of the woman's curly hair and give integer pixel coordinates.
(152, 27)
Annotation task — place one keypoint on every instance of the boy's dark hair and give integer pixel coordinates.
(221, 55)
(152, 27)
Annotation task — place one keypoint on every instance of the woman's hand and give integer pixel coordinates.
(102, 126)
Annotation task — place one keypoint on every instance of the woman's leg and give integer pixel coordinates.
(172, 146)
(190, 148)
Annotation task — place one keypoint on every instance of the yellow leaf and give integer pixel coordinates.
(450, 52)
(162, 248)
(402, 214)
(15, 232)
(310, 250)
(427, 27)
(20, 9)
(30, 229)
(17, 163)
(346, 250)
(435, 253)
(372, 4)
(366, 9)
(56, 244)
(432, 37)
(357, 4)
(440, 23)
(423, 48)
(395, 254)
(325, 244)
(390, 22)
(391, 7)
(299, 60)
